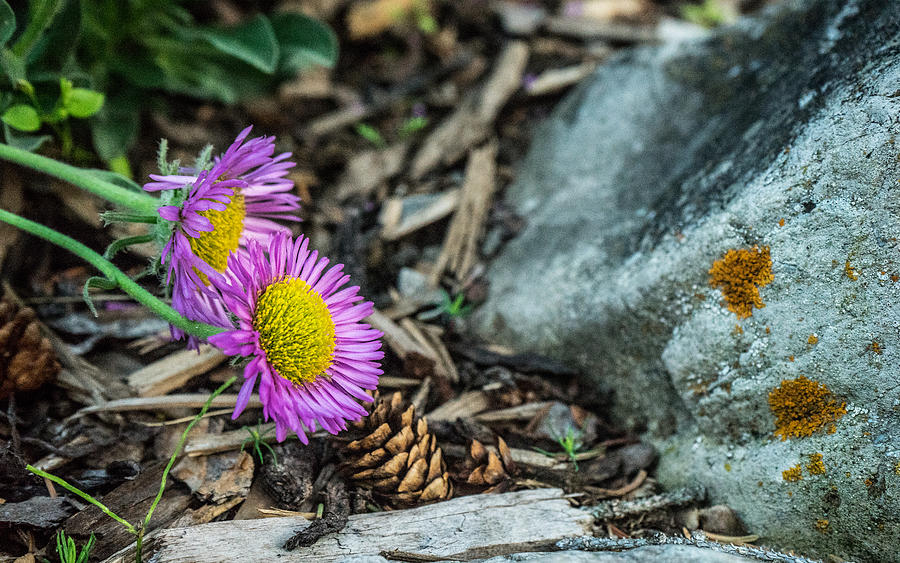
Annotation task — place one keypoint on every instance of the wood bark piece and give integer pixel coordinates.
(367, 170)
(477, 526)
(131, 501)
(398, 222)
(85, 382)
(460, 250)
(556, 79)
(183, 400)
(429, 338)
(466, 405)
(471, 123)
(586, 28)
(11, 200)
(520, 412)
(417, 360)
(173, 371)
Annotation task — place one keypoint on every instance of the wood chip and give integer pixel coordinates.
(398, 220)
(367, 170)
(131, 501)
(476, 526)
(472, 121)
(173, 371)
(10, 200)
(586, 28)
(465, 405)
(520, 412)
(556, 79)
(460, 250)
(184, 400)
(84, 382)
(416, 358)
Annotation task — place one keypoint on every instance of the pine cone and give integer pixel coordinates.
(398, 458)
(487, 468)
(27, 360)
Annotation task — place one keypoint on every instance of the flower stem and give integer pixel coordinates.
(143, 203)
(184, 435)
(84, 495)
(114, 274)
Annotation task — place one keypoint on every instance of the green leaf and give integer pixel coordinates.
(25, 142)
(22, 117)
(253, 42)
(115, 127)
(7, 22)
(54, 50)
(12, 66)
(304, 42)
(82, 102)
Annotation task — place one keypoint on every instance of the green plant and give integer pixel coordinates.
(452, 307)
(370, 134)
(68, 552)
(711, 13)
(131, 51)
(413, 125)
(139, 530)
(257, 436)
(571, 444)
(35, 94)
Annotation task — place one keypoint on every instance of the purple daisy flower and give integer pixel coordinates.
(307, 349)
(221, 210)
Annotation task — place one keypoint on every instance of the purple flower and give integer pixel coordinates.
(222, 209)
(307, 349)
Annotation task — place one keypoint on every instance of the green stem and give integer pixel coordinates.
(114, 274)
(143, 203)
(184, 435)
(83, 495)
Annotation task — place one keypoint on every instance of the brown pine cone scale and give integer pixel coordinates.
(27, 359)
(398, 459)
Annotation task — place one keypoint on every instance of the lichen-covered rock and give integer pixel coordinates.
(713, 234)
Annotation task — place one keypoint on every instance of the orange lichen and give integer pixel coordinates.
(822, 525)
(728, 467)
(738, 330)
(793, 474)
(781, 222)
(876, 347)
(812, 340)
(895, 278)
(850, 271)
(816, 466)
(802, 406)
(740, 274)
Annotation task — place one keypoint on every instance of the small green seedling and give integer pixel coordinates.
(711, 13)
(68, 551)
(257, 437)
(413, 125)
(453, 308)
(370, 134)
(570, 443)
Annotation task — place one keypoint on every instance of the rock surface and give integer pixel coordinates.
(778, 133)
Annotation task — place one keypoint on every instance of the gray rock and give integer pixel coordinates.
(650, 172)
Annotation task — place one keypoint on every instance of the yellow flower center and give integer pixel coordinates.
(215, 246)
(295, 330)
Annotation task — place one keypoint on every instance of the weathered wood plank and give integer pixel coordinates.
(462, 528)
